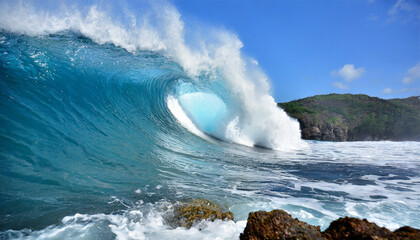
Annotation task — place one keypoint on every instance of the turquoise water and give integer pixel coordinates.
(100, 134)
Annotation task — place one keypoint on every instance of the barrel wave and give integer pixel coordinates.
(214, 83)
(85, 97)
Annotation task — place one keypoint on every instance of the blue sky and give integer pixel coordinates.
(319, 47)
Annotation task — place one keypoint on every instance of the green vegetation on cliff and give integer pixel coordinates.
(348, 117)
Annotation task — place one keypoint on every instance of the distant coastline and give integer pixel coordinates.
(349, 117)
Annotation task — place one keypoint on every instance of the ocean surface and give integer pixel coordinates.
(105, 123)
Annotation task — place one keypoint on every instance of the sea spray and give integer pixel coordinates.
(253, 118)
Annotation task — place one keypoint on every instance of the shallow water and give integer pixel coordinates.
(317, 185)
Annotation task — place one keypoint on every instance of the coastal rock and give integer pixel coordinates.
(187, 214)
(277, 224)
(313, 131)
(407, 233)
(348, 117)
(354, 228)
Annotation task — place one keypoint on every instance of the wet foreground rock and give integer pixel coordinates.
(407, 233)
(277, 224)
(187, 214)
(354, 228)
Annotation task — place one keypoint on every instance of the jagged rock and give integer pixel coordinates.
(315, 133)
(355, 229)
(277, 224)
(407, 233)
(340, 133)
(187, 214)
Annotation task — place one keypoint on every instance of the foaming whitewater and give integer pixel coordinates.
(108, 121)
(249, 116)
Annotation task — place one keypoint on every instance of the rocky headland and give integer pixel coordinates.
(348, 117)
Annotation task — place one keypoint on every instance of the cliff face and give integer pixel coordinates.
(347, 117)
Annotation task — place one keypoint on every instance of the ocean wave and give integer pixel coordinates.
(217, 68)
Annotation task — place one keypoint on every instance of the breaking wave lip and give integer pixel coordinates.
(253, 118)
(182, 117)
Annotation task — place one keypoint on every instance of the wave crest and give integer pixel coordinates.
(253, 117)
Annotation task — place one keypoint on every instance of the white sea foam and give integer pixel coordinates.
(362, 187)
(130, 225)
(389, 200)
(258, 121)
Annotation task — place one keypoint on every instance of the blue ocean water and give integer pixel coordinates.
(104, 127)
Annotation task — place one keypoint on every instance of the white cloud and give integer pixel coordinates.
(373, 17)
(400, 5)
(405, 10)
(390, 90)
(387, 91)
(407, 80)
(412, 74)
(340, 85)
(349, 73)
(415, 71)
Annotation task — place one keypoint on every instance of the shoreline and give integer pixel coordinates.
(278, 224)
